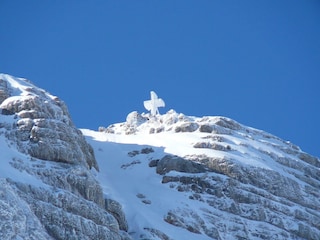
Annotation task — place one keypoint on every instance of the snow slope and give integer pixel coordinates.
(175, 209)
(137, 187)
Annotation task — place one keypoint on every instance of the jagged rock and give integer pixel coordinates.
(116, 210)
(215, 138)
(153, 162)
(166, 179)
(75, 179)
(56, 141)
(262, 186)
(172, 121)
(147, 150)
(169, 163)
(17, 220)
(214, 146)
(228, 123)
(265, 188)
(45, 128)
(64, 200)
(205, 128)
(65, 216)
(187, 127)
(3, 90)
(273, 187)
(190, 220)
(309, 159)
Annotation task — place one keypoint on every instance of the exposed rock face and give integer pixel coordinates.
(230, 181)
(169, 163)
(66, 216)
(172, 121)
(115, 208)
(17, 219)
(290, 201)
(64, 200)
(44, 128)
(187, 127)
(249, 184)
(3, 90)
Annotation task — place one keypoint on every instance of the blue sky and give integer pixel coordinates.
(257, 62)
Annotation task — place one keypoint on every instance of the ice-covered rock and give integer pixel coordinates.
(174, 163)
(229, 181)
(156, 176)
(171, 122)
(17, 219)
(53, 193)
(135, 119)
(43, 128)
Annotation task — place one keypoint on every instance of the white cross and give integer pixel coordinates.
(153, 104)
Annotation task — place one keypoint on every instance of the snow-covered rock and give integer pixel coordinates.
(47, 189)
(43, 128)
(209, 178)
(166, 176)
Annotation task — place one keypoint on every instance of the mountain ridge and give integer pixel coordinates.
(233, 168)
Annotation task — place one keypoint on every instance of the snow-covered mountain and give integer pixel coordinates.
(181, 177)
(168, 176)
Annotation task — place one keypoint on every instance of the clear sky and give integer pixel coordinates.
(257, 62)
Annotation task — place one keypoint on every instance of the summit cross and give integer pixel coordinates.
(153, 104)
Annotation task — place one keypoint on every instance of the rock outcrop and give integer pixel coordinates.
(61, 199)
(43, 128)
(174, 163)
(287, 198)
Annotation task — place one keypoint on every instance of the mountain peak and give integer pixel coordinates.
(176, 176)
(209, 135)
(169, 122)
(239, 180)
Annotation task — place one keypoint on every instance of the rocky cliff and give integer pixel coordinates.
(47, 189)
(229, 181)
